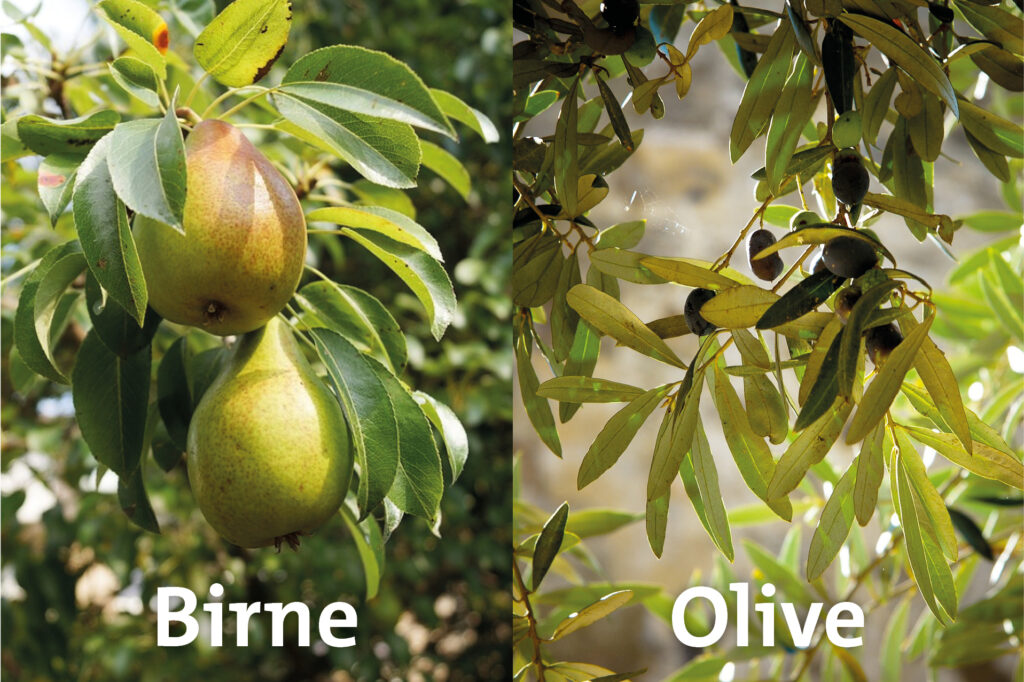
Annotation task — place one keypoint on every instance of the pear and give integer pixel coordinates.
(269, 453)
(241, 256)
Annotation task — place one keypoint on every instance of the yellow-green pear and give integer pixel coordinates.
(269, 453)
(241, 255)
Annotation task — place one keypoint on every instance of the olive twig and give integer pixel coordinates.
(799, 261)
(724, 259)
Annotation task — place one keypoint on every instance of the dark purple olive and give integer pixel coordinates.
(621, 15)
(691, 312)
(850, 179)
(816, 264)
(845, 300)
(880, 342)
(849, 256)
(769, 267)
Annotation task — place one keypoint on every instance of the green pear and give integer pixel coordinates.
(241, 256)
(269, 453)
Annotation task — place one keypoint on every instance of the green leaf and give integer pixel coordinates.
(102, 224)
(825, 389)
(566, 152)
(370, 547)
(705, 475)
(809, 448)
(370, 413)
(985, 461)
(144, 31)
(131, 495)
(563, 320)
(537, 265)
(241, 44)
(779, 574)
(617, 434)
(111, 396)
(752, 455)
(449, 168)
(932, 507)
(56, 180)
(357, 316)
(590, 522)
(892, 648)
(926, 129)
(385, 152)
(850, 344)
(833, 525)
(576, 389)
(146, 159)
(387, 222)
(900, 48)
(615, 115)
(365, 82)
(115, 325)
(941, 384)
(688, 272)
(173, 394)
(621, 236)
(421, 273)
(37, 304)
(593, 613)
(418, 481)
(537, 408)
(455, 109)
(883, 388)
(453, 433)
(624, 265)
(548, 544)
(807, 295)
(870, 470)
(657, 523)
(617, 321)
(762, 92)
(876, 105)
(970, 532)
(995, 24)
(998, 134)
(931, 572)
(137, 78)
(666, 461)
(793, 111)
(72, 136)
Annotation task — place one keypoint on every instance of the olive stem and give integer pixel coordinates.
(792, 269)
(538, 662)
(723, 260)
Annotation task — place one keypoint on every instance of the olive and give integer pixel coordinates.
(621, 15)
(691, 312)
(849, 256)
(845, 301)
(803, 219)
(769, 267)
(880, 342)
(846, 130)
(816, 264)
(850, 180)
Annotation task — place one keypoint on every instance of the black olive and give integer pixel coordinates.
(845, 301)
(769, 267)
(691, 312)
(621, 15)
(849, 256)
(880, 342)
(850, 179)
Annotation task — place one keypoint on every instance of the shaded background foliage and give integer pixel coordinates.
(78, 578)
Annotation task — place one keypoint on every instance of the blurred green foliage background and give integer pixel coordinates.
(79, 578)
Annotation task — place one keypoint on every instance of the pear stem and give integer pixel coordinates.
(195, 89)
(245, 102)
(229, 93)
